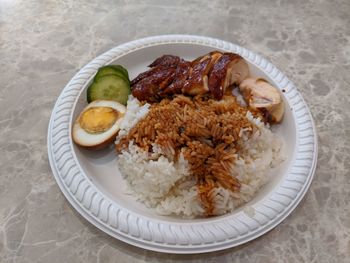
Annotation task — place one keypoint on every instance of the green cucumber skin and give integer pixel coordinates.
(88, 94)
(111, 70)
(109, 87)
(122, 70)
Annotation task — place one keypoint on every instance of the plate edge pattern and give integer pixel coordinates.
(203, 235)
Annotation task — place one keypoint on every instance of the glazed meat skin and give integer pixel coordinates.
(166, 61)
(197, 82)
(229, 69)
(149, 88)
(182, 73)
(162, 63)
(149, 85)
(212, 73)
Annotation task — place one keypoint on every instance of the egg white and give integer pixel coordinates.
(85, 139)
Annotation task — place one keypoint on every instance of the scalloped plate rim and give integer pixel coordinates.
(164, 247)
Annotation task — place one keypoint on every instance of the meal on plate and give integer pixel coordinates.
(193, 138)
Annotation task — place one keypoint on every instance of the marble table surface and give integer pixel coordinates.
(44, 43)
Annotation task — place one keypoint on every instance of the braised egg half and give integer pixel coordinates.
(98, 124)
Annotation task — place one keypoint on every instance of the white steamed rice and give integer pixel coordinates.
(168, 187)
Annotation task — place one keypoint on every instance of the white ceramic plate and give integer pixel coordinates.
(91, 182)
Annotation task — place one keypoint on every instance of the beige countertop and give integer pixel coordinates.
(44, 43)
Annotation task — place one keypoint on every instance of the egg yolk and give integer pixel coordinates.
(98, 119)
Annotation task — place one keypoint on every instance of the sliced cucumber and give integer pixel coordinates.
(109, 87)
(110, 70)
(121, 69)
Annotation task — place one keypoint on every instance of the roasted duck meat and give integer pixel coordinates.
(149, 85)
(164, 62)
(182, 73)
(169, 75)
(149, 88)
(229, 69)
(197, 82)
(261, 95)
